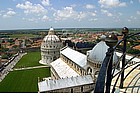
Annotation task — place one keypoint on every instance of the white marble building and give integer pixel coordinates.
(50, 48)
(74, 71)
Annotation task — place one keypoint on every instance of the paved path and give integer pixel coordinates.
(10, 66)
(31, 68)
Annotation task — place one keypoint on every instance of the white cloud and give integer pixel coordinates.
(93, 14)
(45, 18)
(93, 19)
(69, 13)
(111, 3)
(90, 6)
(29, 8)
(106, 12)
(46, 2)
(81, 15)
(9, 14)
(31, 19)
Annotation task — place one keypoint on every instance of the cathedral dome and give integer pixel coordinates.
(98, 53)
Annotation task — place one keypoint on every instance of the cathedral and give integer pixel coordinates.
(71, 71)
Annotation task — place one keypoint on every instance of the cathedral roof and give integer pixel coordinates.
(77, 57)
(51, 84)
(63, 70)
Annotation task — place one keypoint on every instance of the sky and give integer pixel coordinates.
(43, 14)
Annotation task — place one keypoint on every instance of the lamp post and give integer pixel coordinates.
(125, 32)
(111, 41)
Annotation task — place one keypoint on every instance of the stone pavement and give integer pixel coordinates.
(10, 66)
(27, 68)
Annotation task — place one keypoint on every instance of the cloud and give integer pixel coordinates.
(45, 2)
(29, 8)
(9, 14)
(132, 19)
(45, 18)
(111, 3)
(93, 14)
(93, 19)
(35, 20)
(81, 15)
(69, 13)
(106, 12)
(90, 6)
(66, 12)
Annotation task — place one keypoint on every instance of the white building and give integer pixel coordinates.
(74, 71)
(50, 48)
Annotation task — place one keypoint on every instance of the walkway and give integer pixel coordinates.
(9, 67)
(28, 68)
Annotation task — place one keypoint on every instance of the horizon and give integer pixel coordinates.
(42, 14)
(63, 28)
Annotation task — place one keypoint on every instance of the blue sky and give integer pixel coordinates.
(28, 14)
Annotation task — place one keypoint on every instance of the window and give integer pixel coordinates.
(89, 70)
(71, 90)
(82, 89)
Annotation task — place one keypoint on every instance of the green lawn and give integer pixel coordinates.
(23, 81)
(22, 35)
(31, 59)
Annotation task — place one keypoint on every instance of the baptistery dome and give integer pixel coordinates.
(51, 37)
(50, 47)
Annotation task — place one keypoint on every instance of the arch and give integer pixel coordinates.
(54, 58)
(96, 74)
(89, 70)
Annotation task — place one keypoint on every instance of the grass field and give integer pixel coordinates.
(22, 35)
(23, 80)
(29, 60)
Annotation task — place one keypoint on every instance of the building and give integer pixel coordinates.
(74, 71)
(50, 48)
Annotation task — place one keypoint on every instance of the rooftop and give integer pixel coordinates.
(63, 70)
(51, 84)
(75, 56)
